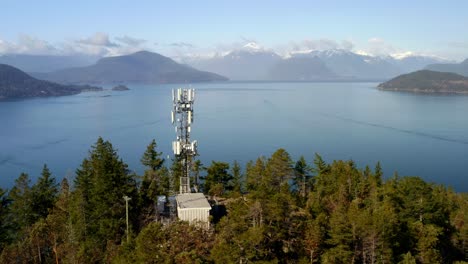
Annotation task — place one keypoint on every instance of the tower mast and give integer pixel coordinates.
(184, 149)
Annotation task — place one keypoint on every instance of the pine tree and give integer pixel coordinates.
(278, 171)
(236, 178)
(21, 211)
(196, 170)
(301, 177)
(218, 180)
(378, 173)
(4, 223)
(99, 209)
(44, 193)
(155, 182)
(151, 158)
(255, 174)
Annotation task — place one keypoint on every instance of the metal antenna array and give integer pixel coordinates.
(182, 118)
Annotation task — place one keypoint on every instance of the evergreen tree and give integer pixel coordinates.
(44, 193)
(218, 180)
(236, 178)
(21, 211)
(101, 182)
(175, 173)
(196, 170)
(301, 177)
(4, 223)
(378, 173)
(255, 174)
(155, 182)
(152, 158)
(278, 171)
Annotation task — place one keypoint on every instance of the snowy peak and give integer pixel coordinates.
(320, 53)
(253, 46)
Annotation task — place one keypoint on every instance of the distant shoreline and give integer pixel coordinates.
(422, 91)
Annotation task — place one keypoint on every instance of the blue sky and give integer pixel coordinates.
(377, 27)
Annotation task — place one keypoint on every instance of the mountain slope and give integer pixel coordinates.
(244, 64)
(301, 69)
(355, 66)
(426, 81)
(46, 63)
(15, 83)
(458, 68)
(139, 67)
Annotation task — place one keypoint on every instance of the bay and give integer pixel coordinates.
(413, 134)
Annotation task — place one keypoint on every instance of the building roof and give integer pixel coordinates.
(192, 200)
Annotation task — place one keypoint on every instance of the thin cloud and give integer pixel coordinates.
(98, 39)
(458, 45)
(130, 41)
(379, 47)
(27, 44)
(182, 45)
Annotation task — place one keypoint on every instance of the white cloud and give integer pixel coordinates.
(98, 44)
(379, 47)
(26, 44)
(182, 45)
(98, 39)
(130, 41)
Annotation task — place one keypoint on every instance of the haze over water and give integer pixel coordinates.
(422, 135)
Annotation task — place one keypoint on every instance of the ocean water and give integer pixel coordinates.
(418, 135)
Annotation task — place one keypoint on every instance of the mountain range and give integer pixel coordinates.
(252, 62)
(459, 68)
(46, 63)
(139, 67)
(15, 83)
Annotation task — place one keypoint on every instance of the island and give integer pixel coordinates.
(426, 81)
(120, 87)
(16, 84)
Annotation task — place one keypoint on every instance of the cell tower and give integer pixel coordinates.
(182, 118)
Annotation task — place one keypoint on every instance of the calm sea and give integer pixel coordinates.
(423, 135)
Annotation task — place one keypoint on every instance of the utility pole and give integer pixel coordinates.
(126, 198)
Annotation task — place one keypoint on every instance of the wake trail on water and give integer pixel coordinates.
(275, 107)
(406, 131)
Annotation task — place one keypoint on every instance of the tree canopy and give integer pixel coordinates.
(277, 210)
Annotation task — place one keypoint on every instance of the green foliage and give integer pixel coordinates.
(218, 179)
(428, 81)
(302, 180)
(237, 179)
(155, 182)
(178, 242)
(44, 193)
(345, 215)
(151, 158)
(21, 212)
(99, 211)
(4, 224)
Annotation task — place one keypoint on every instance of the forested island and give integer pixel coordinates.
(15, 83)
(426, 81)
(275, 210)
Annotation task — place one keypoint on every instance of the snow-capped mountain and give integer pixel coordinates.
(416, 62)
(351, 65)
(251, 62)
(301, 69)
